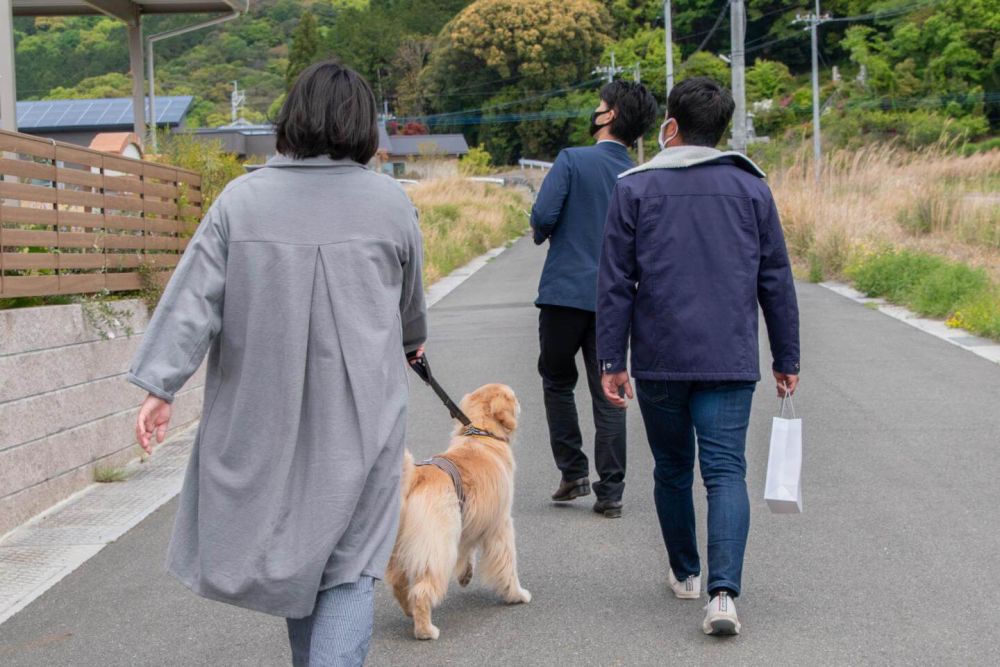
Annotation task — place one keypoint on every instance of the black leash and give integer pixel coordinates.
(422, 368)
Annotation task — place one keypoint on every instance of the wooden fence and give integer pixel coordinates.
(76, 221)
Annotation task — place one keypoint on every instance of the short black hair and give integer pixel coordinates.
(702, 109)
(635, 109)
(330, 110)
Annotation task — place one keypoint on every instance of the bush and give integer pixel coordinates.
(216, 166)
(943, 289)
(476, 163)
(893, 274)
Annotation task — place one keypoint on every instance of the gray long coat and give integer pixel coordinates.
(303, 284)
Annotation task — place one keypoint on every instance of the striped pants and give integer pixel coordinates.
(339, 630)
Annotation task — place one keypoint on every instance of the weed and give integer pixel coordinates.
(104, 318)
(107, 475)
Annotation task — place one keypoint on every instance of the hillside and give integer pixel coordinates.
(516, 74)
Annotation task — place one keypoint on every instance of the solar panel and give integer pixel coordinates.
(96, 114)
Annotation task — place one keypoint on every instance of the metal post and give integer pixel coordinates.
(668, 39)
(8, 82)
(737, 18)
(817, 146)
(153, 140)
(134, 27)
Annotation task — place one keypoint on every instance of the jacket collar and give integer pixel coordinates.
(680, 157)
(279, 160)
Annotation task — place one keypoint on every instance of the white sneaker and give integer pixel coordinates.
(720, 616)
(689, 589)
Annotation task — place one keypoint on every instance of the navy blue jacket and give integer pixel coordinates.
(690, 249)
(570, 211)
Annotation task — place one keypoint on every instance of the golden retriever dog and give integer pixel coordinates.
(437, 536)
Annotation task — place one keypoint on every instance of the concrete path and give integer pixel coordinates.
(894, 562)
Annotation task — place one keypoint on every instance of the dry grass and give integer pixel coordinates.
(461, 220)
(880, 196)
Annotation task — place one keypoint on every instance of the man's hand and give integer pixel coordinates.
(786, 381)
(612, 383)
(154, 415)
(416, 354)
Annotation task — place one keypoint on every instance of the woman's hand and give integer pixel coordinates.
(154, 416)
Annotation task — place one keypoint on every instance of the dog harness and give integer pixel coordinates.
(445, 464)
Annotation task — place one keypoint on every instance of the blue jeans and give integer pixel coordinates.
(719, 413)
(339, 630)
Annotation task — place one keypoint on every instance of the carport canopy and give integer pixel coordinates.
(129, 11)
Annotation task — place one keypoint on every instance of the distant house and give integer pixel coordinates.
(247, 141)
(422, 155)
(79, 121)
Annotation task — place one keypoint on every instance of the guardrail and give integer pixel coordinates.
(533, 164)
(75, 220)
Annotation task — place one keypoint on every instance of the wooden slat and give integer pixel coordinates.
(189, 177)
(19, 143)
(117, 282)
(29, 237)
(27, 169)
(30, 285)
(133, 261)
(160, 207)
(28, 215)
(124, 242)
(80, 198)
(28, 192)
(164, 190)
(79, 177)
(161, 243)
(76, 155)
(190, 211)
(121, 184)
(159, 171)
(81, 240)
(115, 222)
(23, 261)
(123, 165)
(183, 244)
(82, 260)
(193, 196)
(79, 283)
(80, 219)
(118, 203)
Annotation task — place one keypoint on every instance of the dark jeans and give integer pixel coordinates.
(719, 413)
(563, 332)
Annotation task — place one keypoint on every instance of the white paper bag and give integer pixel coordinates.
(783, 489)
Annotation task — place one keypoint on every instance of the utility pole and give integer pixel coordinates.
(236, 101)
(737, 19)
(814, 21)
(642, 139)
(668, 40)
(610, 72)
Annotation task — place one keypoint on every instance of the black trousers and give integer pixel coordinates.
(562, 333)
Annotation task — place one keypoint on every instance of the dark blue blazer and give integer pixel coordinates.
(570, 211)
(688, 255)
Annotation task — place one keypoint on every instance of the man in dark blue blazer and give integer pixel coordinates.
(692, 245)
(570, 212)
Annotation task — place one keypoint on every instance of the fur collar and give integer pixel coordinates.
(680, 157)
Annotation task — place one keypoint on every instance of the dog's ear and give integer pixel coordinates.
(504, 410)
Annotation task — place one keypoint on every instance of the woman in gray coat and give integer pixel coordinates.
(302, 284)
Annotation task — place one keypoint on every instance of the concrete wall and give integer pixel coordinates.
(65, 407)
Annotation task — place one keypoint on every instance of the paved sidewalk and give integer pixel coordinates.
(894, 561)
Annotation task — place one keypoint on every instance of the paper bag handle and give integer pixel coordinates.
(788, 397)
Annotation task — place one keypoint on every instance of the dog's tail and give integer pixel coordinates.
(408, 469)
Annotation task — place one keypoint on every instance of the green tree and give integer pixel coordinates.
(767, 79)
(703, 63)
(306, 48)
(113, 84)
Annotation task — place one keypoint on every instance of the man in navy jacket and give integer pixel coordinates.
(570, 212)
(692, 245)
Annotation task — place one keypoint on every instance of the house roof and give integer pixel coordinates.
(97, 114)
(76, 7)
(413, 145)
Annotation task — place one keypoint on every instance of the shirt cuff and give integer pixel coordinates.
(613, 365)
(786, 366)
(151, 388)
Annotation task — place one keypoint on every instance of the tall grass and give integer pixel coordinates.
(462, 219)
(918, 228)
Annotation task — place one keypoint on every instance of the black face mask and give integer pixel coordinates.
(594, 127)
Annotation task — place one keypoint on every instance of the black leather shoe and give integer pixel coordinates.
(573, 489)
(612, 509)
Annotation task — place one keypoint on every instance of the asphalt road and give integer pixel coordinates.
(895, 560)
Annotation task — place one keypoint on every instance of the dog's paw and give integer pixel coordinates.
(430, 632)
(466, 577)
(522, 596)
